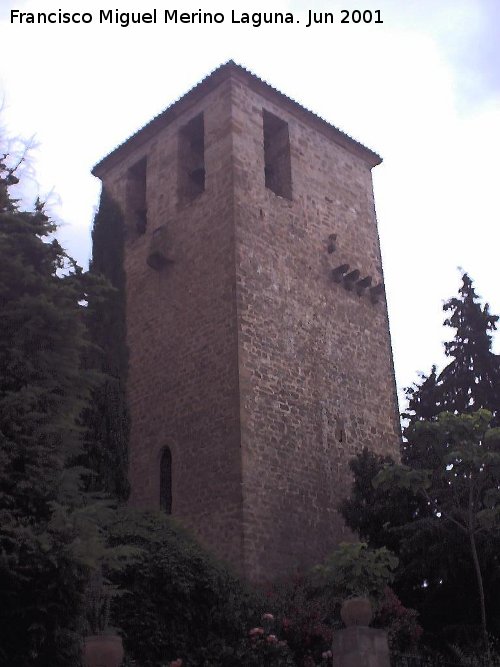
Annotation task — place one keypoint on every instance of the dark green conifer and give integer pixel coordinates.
(107, 418)
(436, 573)
(42, 392)
(471, 381)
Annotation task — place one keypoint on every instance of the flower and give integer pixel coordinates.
(176, 663)
(327, 654)
(267, 617)
(256, 632)
(272, 639)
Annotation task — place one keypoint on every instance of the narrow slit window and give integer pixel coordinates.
(166, 481)
(277, 165)
(340, 431)
(192, 159)
(136, 196)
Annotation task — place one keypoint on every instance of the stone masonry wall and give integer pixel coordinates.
(260, 373)
(316, 374)
(181, 333)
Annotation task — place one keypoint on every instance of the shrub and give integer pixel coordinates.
(179, 601)
(400, 622)
(306, 616)
(356, 570)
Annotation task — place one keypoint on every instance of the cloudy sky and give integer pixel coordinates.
(422, 89)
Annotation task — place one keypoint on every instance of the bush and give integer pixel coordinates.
(306, 615)
(179, 602)
(356, 570)
(401, 623)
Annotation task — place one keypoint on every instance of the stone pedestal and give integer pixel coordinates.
(360, 646)
(102, 651)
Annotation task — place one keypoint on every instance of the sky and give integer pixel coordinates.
(422, 89)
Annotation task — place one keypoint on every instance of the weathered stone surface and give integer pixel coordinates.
(360, 647)
(262, 374)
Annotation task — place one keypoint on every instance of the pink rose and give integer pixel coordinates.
(255, 632)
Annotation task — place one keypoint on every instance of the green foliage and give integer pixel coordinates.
(471, 380)
(179, 602)
(107, 416)
(305, 615)
(42, 392)
(401, 623)
(442, 461)
(462, 490)
(307, 612)
(474, 656)
(99, 594)
(356, 570)
(265, 651)
(424, 399)
(374, 514)
(261, 648)
(435, 573)
(463, 486)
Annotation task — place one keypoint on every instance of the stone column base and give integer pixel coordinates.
(360, 646)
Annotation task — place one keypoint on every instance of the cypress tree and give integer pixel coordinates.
(107, 418)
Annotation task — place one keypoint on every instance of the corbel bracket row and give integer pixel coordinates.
(352, 280)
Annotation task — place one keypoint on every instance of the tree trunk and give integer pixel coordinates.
(479, 576)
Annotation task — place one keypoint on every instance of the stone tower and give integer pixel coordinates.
(260, 357)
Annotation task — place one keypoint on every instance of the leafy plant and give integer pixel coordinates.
(355, 570)
(262, 648)
(305, 615)
(475, 656)
(462, 490)
(99, 595)
(401, 623)
(180, 602)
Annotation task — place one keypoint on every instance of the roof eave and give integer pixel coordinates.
(222, 73)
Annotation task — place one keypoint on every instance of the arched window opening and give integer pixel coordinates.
(166, 481)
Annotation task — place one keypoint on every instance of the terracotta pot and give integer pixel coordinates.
(102, 651)
(356, 611)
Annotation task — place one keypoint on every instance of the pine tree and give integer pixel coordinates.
(471, 380)
(424, 399)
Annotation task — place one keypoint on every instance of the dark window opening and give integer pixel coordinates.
(277, 165)
(192, 159)
(136, 196)
(166, 481)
